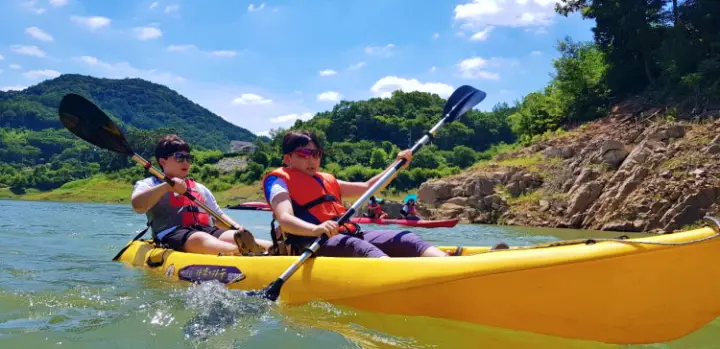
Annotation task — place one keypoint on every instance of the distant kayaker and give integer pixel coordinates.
(307, 203)
(375, 209)
(409, 211)
(177, 221)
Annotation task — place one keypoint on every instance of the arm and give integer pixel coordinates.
(283, 212)
(213, 205)
(404, 211)
(232, 222)
(144, 196)
(282, 207)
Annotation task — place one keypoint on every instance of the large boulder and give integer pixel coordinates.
(433, 192)
(584, 197)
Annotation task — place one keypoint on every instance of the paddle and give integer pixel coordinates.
(462, 100)
(88, 122)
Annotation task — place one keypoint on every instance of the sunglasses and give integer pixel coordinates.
(180, 157)
(306, 153)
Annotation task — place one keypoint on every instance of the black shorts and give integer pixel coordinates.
(177, 238)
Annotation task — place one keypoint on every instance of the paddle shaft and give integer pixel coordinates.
(157, 173)
(315, 246)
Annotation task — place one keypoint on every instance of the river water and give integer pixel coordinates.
(60, 289)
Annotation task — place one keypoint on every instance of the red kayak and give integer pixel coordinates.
(255, 205)
(447, 223)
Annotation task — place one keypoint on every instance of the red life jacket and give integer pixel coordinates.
(314, 202)
(192, 214)
(375, 209)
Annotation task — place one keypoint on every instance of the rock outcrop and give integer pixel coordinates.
(620, 173)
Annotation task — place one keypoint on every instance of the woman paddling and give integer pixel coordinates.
(409, 211)
(374, 208)
(307, 203)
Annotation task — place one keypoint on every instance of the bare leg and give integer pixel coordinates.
(433, 251)
(228, 236)
(201, 242)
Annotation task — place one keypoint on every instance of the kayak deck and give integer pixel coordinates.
(634, 291)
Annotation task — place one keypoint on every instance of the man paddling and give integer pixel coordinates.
(307, 204)
(177, 221)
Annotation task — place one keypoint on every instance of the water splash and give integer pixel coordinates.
(219, 308)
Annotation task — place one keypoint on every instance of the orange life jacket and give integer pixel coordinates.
(315, 199)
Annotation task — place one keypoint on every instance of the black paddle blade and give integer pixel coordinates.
(272, 292)
(462, 100)
(88, 122)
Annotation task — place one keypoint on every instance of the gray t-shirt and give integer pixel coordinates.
(166, 217)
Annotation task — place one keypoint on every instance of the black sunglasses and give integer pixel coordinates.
(180, 157)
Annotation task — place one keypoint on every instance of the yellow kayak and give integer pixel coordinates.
(645, 290)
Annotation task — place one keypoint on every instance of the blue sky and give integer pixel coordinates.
(261, 65)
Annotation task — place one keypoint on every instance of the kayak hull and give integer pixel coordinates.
(252, 206)
(447, 223)
(618, 292)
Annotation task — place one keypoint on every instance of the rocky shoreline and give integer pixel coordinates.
(632, 171)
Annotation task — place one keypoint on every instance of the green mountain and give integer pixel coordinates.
(134, 103)
(37, 151)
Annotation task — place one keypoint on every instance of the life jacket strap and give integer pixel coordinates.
(313, 203)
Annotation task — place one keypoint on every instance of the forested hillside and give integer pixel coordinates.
(37, 151)
(648, 52)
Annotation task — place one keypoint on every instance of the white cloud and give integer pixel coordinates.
(263, 133)
(476, 68)
(436, 35)
(12, 88)
(1, 57)
(181, 48)
(386, 50)
(291, 117)
(28, 50)
(357, 66)
(327, 72)
(154, 5)
(38, 33)
(433, 69)
(147, 33)
(31, 5)
(90, 60)
(224, 53)
(329, 96)
(482, 35)
(15, 67)
(58, 3)
(385, 87)
(172, 8)
(479, 14)
(536, 53)
(40, 74)
(252, 8)
(125, 70)
(251, 98)
(537, 31)
(92, 23)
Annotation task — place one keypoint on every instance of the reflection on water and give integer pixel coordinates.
(58, 288)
